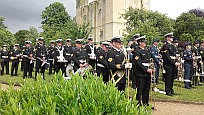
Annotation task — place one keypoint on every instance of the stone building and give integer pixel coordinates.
(105, 15)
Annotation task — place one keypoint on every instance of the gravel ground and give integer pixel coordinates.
(4, 86)
(171, 108)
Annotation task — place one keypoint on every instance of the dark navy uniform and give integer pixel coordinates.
(102, 67)
(115, 59)
(68, 56)
(51, 58)
(80, 56)
(5, 56)
(141, 61)
(41, 54)
(15, 55)
(168, 55)
(28, 60)
(188, 67)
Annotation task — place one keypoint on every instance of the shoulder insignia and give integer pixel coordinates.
(132, 49)
(201, 52)
(136, 57)
(110, 59)
(118, 66)
(101, 57)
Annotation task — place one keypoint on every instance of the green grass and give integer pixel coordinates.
(194, 94)
(19, 79)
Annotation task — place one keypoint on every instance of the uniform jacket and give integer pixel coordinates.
(68, 52)
(115, 61)
(14, 53)
(154, 53)
(40, 51)
(188, 57)
(28, 51)
(140, 56)
(5, 55)
(79, 54)
(167, 51)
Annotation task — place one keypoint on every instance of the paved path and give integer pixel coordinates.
(171, 108)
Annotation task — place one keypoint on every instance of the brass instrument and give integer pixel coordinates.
(196, 75)
(83, 70)
(180, 68)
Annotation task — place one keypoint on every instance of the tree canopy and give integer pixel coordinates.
(152, 24)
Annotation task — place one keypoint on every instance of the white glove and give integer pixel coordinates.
(128, 65)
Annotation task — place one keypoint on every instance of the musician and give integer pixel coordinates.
(28, 59)
(142, 72)
(41, 54)
(155, 55)
(80, 56)
(59, 57)
(197, 66)
(201, 51)
(135, 44)
(15, 55)
(89, 47)
(188, 65)
(102, 67)
(178, 55)
(116, 60)
(5, 56)
(68, 56)
(50, 56)
(169, 62)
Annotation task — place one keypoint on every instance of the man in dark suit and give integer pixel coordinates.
(50, 56)
(68, 55)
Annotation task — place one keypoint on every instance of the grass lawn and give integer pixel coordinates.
(194, 94)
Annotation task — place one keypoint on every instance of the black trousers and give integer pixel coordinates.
(40, 69)
(27, 69)
(51, 66)
(169, 79)
(92, 62)
(6, 64)
(104, 72)
(143, 88)
(14, 67)
(59, 66)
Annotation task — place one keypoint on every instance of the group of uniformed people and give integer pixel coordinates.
(112, 61)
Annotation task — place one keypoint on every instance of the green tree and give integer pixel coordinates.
(55, 19)
(6, 37)
(152, 24)
(189, 23)
(21, 36)
(33, 34)
(58, 24)
(2, 25)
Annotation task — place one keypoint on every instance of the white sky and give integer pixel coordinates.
(174, 8)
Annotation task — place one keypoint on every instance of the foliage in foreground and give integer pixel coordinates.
(88, 96)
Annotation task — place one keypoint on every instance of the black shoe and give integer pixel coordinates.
(187, 87)
(169, 94)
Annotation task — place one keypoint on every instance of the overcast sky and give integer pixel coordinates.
(21, 14)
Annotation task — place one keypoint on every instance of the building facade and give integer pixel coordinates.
(105, 15)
